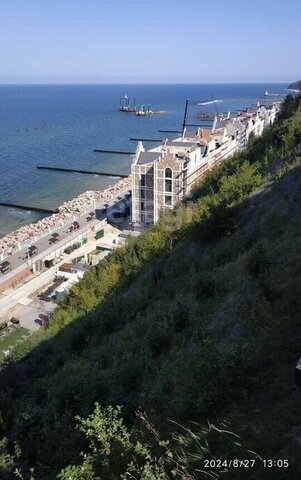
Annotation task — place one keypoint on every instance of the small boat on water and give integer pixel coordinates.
(125, 105)
(271, 94)
(143, 111)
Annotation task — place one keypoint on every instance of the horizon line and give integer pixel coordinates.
(236, 82)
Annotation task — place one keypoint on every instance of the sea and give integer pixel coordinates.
(61, 125)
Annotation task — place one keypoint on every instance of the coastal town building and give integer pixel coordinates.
(161, 177)
(164, 175)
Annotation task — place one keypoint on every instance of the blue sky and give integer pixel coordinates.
(120, 41)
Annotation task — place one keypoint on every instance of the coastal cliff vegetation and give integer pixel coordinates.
(180, 346)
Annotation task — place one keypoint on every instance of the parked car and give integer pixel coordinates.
(32, 251)
(74, 226)
(14, 320)
(5, 267)
(44, 319)
(54, 238)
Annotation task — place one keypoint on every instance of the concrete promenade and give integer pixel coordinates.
(19, 261)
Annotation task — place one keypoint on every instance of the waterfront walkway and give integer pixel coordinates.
(18, 260)
(82, 204)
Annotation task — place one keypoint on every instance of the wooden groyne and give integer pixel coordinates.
(113, 151)
(26, 207)
(146, 140)
(170, 131)
(86, 172)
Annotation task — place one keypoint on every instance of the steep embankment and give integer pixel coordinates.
(197, 319)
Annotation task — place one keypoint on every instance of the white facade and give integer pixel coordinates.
(188, 158)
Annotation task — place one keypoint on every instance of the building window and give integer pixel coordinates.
(142, 193)
(168, 187)
(168, 173)
(168, 180)
(142, 206)
(142, 182)
(167, 200)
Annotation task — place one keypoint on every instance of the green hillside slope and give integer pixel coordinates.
(198, 320)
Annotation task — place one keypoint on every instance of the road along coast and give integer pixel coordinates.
(91, 199)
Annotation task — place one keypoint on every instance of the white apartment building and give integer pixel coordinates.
(162, 176)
